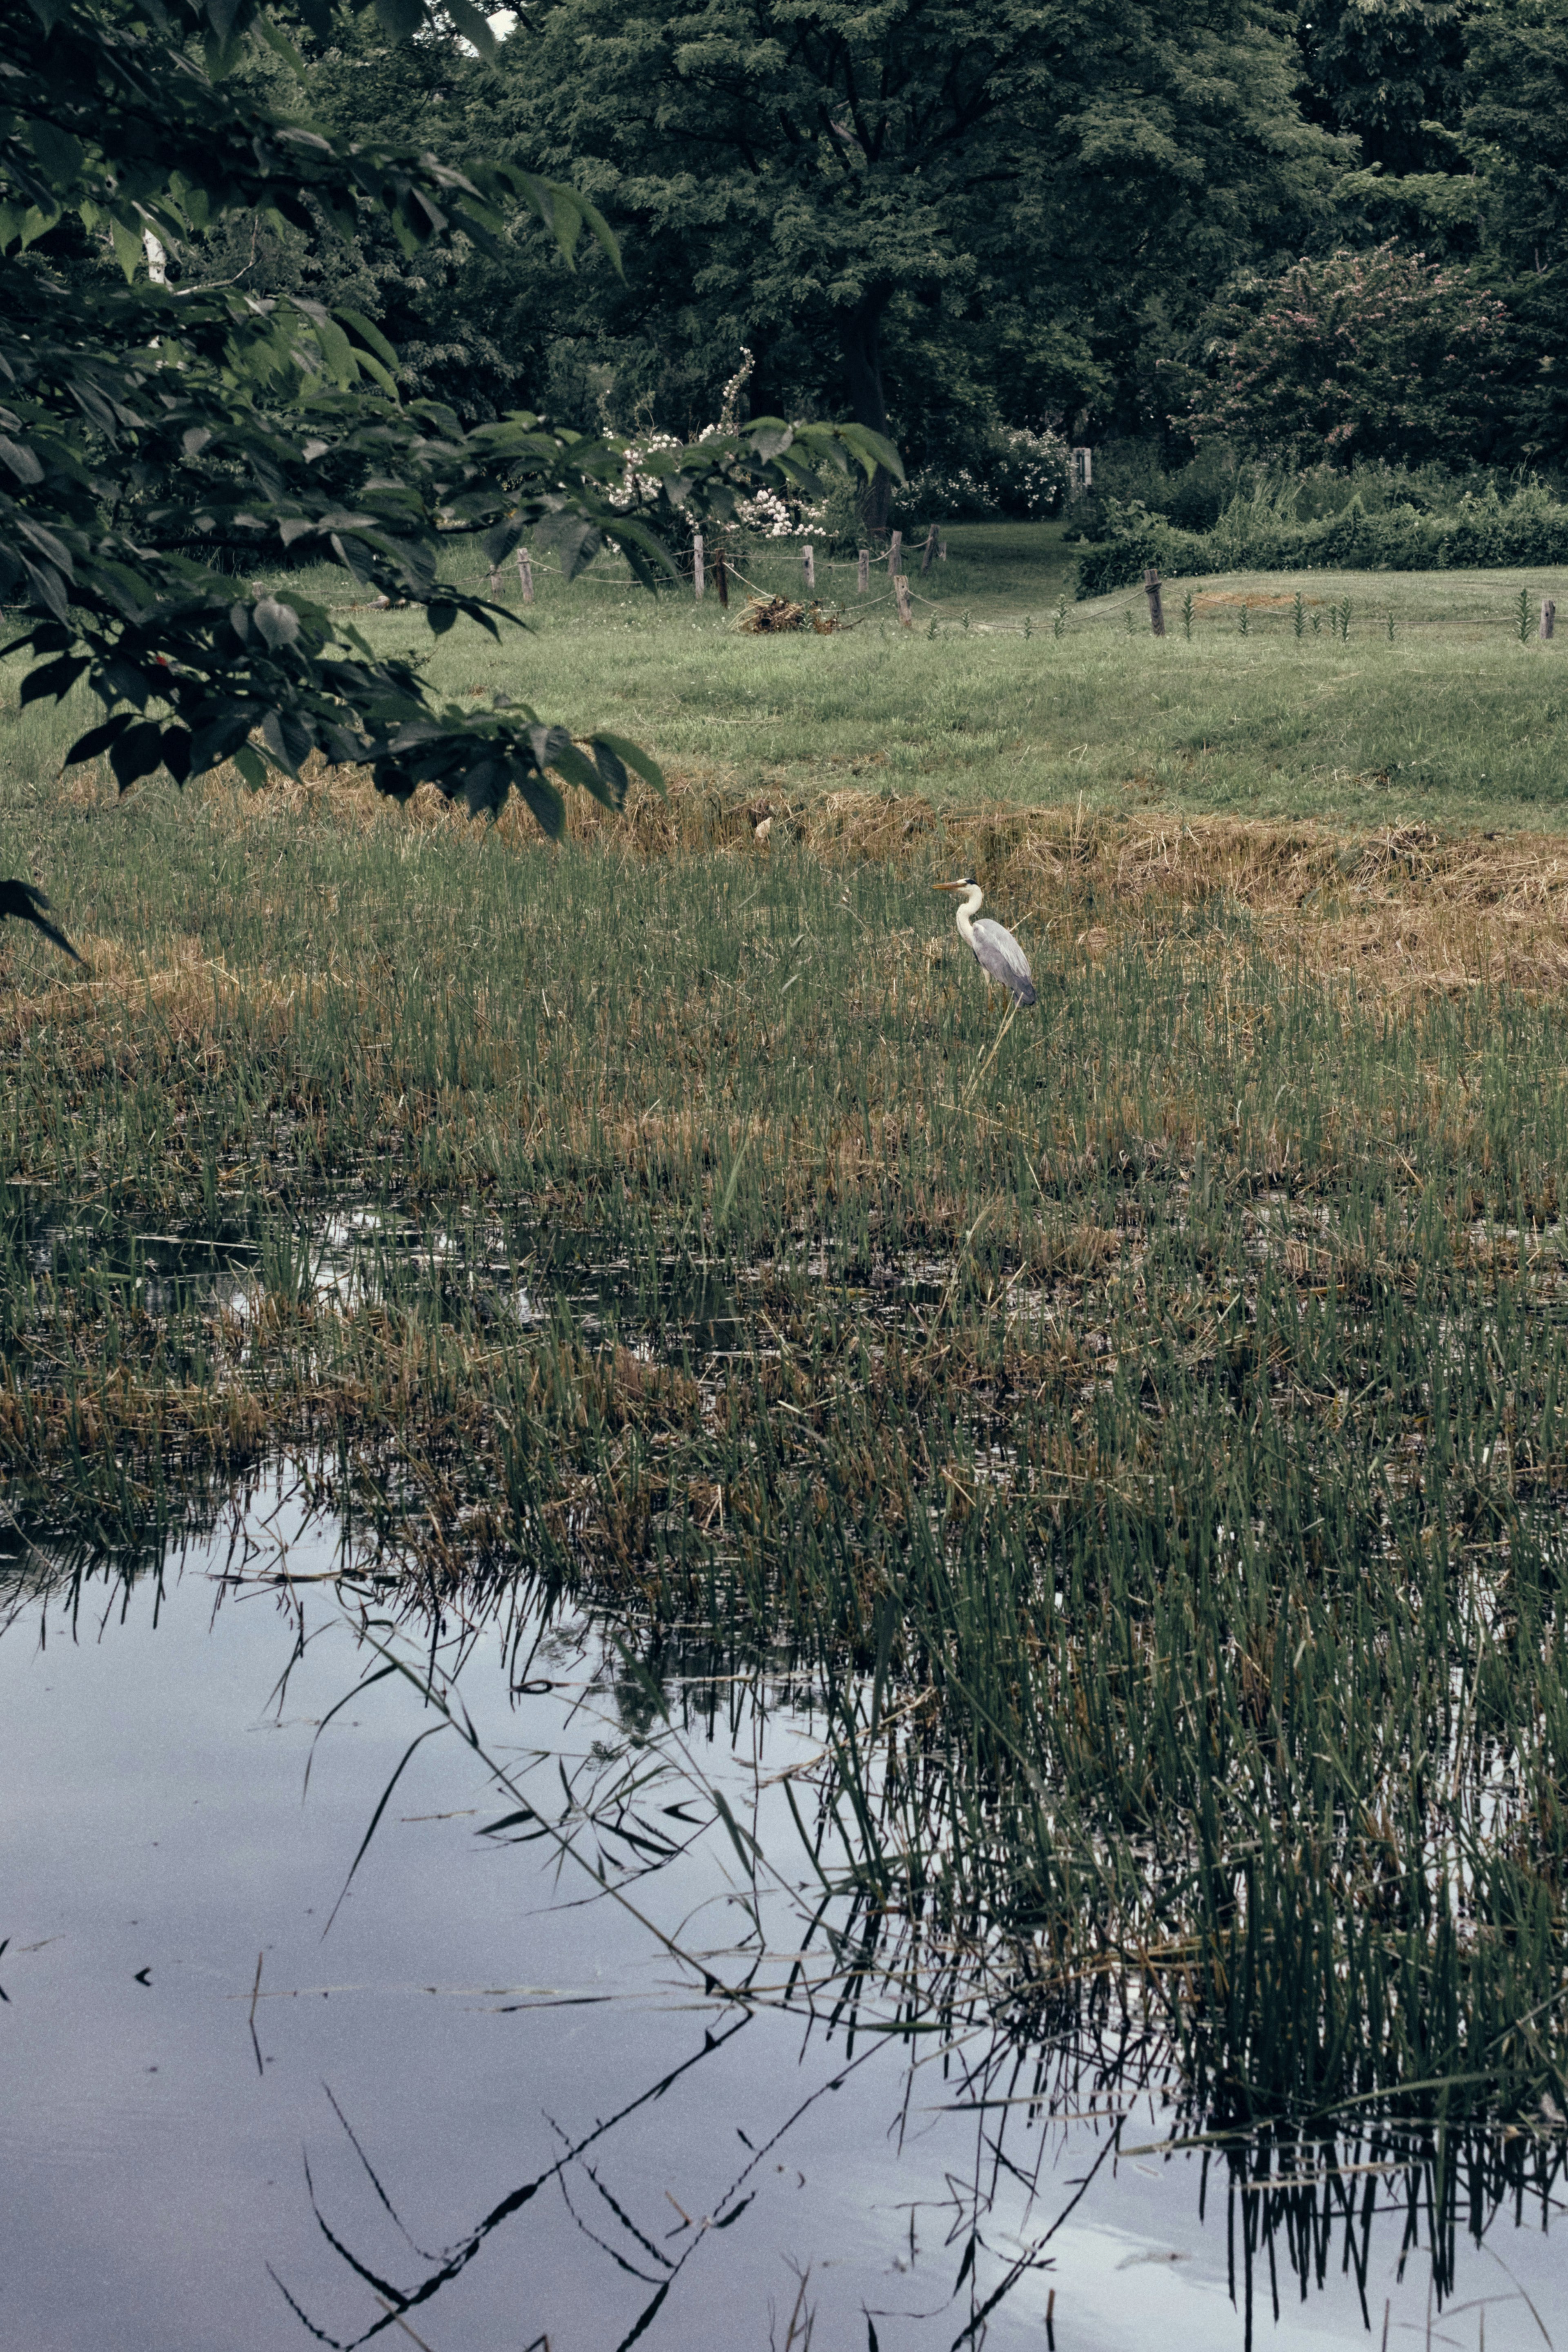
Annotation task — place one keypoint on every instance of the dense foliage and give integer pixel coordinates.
(160, 431)
(1380, 354)
(851, 190)
(951, 223)
(1266, 530)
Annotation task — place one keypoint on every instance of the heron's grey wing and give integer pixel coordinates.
(1003, 958)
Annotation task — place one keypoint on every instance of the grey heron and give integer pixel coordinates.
(996, 951)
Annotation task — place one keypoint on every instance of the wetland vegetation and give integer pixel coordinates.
(1142, 1422)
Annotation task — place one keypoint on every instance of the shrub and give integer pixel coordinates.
(1380, 354)
(1260, 531)
(1015, 472)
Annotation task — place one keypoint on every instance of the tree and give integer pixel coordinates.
(806, 172)
(157, 435)
(1392, 74)
(1515, 128)
(1380, 354)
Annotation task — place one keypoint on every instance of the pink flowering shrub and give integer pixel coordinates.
(1379, 354)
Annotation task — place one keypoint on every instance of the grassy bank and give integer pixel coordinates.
(1452, 721)
(1163, 1395)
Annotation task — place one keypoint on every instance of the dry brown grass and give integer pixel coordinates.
(192, 993)
(1405, 910)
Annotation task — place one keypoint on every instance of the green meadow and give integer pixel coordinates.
(1149, 1413)
(1452, 721)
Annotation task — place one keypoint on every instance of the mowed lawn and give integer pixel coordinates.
(999, 695)
(1427, 709)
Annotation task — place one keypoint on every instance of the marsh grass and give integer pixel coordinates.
(1164, 1399)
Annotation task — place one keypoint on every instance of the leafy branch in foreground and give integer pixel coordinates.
(156, 436)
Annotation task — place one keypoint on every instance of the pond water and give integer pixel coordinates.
(488, 2098)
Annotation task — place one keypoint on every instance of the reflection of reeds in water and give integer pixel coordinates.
(1159, 1449)
(1036, 2066)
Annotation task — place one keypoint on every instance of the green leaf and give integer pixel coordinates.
(369, 335)
(499, 542)
(37, 222)
(137, 753)
(251, 765)
(278, 624)
(543, 802)
(335, 350)
(129, 250)
(60, 154)
(278, 42)
(872, 449)
(635, 757)
(228, 17)
(579, 540)
(369, 365)
(55, 677)
(176, 750)
(402, 19)
(613, 776)
(97, 740)
(473, 27)
(22, 462)
(572, 763)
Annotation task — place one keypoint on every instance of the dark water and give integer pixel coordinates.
(490, 2109)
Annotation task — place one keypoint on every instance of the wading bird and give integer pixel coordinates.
(20, 898)
(996, 951)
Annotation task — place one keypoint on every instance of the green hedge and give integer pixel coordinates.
(1260, 534)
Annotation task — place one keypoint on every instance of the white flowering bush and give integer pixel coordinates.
(1030, 471)
(771, 514)
(1018, 473)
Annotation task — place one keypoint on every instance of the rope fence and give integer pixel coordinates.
(1526, 621)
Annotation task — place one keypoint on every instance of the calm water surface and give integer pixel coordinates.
(489, 2109)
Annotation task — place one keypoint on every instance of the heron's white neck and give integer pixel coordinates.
(973, 898)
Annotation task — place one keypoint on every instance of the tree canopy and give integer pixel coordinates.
(162, 435)
(807, 173)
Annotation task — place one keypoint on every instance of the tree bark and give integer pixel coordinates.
(859, 339)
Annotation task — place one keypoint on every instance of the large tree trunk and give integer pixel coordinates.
(858, 334)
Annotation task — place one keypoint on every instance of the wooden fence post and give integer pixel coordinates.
(525, 574)
(942, 552)
(1548, 615)
(697, 581)
(720, 578)
(494, 585)
(895, 551)
(1156, 610)
(929, 556)
(809, 565)
(862, 581)
(900, 591)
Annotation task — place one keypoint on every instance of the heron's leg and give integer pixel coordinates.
(1007, 1020)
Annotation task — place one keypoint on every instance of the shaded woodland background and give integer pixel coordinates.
(1322, 235)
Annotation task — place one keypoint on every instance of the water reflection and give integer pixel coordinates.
(605, 2035)
(370, 1252)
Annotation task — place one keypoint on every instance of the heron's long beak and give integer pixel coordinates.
(949, 886)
